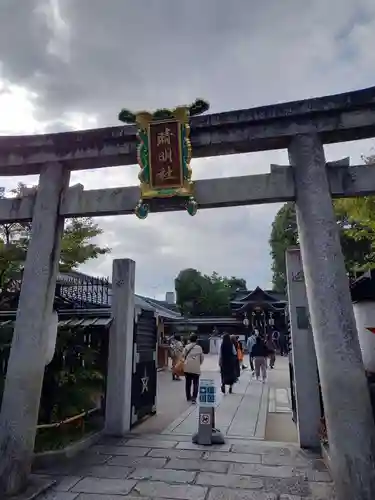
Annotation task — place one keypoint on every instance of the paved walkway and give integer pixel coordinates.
(241, 414)
(167, 465)
(280, 426)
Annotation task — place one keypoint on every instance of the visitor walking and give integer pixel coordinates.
(285, 343)
(193, 359)
(177, 350)
(240, 353)
(259, 353)
(250, 343)
(227, 363)
(271, 350)
(237, 365)
(276, 339)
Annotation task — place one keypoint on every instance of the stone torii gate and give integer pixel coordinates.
(302, 127)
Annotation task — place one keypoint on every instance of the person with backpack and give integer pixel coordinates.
(250, 343)
(193, 359)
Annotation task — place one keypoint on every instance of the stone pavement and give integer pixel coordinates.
(241, 414)
(280, 425)
(280, 398)
(158, 467)
(167, 465)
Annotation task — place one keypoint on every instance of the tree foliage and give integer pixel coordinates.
(356, 221)
(284, 234)
(77, 246)
(66, 389)
(198, 294)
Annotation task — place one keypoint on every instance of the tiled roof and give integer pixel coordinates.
(99, 293)
(207, 320)
(69, 323)
(162, 305)
(243, 296)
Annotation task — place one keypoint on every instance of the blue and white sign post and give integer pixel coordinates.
(207, 433)
(207, 393)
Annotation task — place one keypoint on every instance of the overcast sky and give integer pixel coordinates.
(71, 64)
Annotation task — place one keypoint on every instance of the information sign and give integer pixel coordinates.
(207, 393)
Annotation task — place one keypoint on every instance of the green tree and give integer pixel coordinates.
(65, 393)
(236, 283)
(199, 294)
(356, 221)
(359, 212)
(357, 231)
(77, 247)
(284, 234)
(191, 288)
(216, 298)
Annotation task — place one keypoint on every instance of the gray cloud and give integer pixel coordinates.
(96, 56)
(84, 60)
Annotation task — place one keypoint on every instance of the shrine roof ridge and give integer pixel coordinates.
(340, 117)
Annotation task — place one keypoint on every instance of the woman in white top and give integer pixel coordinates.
(193, 356)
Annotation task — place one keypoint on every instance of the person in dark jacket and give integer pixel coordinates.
(227, 362)
(259, 353)
(283, 344)
(271, 350)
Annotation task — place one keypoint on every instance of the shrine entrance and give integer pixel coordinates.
(163, 143)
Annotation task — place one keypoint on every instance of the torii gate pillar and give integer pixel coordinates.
(350, 423)
(27, 360)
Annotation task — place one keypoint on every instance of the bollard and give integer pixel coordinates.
(207, 433)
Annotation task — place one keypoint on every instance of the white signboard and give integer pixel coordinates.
(207, 393)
